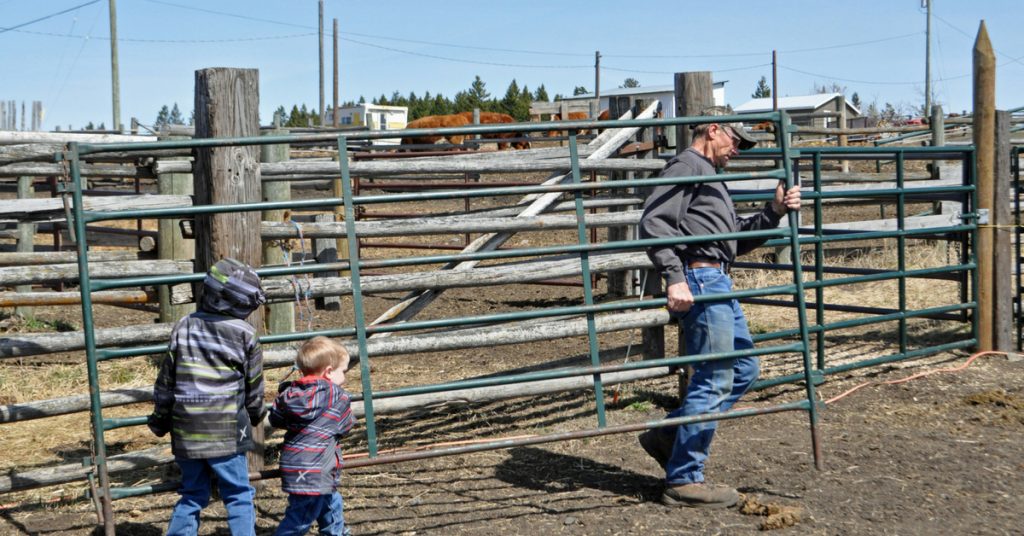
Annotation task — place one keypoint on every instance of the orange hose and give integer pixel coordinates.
(915, 376)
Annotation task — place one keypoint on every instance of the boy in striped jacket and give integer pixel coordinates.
(209, 396)
(314, 410)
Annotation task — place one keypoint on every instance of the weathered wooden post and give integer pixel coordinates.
(1001, 218)
(170, 243)
(280, 316)
(843, 140)
(227, 105)
(563, 111)
(26, 240)
(693, 95)
(984, 141)
(326, 251)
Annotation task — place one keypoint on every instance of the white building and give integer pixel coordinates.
(373, 117)
(805, 110)
(665, 94)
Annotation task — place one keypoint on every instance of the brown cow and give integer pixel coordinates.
(436, 121)
(487, 118)
(575, 116)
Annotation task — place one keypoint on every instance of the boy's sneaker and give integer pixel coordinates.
(657, 445)
(700, 495)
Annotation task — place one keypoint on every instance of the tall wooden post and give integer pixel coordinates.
(693, 95)
(1002, 222)
(227, 105)
(984, 142)
(335, 120)
(280, 316)
(170, 244)
(843, 140)
(26, 239)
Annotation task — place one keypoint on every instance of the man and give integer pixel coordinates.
(701, 269)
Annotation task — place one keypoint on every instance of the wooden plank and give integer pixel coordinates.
(53, 273)
(443, 225)
(63, 257)
(15, 137)
(227, 106)
(111, 297)
(40, 169)
(52, 209)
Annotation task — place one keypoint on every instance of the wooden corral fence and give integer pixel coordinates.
(268, 177)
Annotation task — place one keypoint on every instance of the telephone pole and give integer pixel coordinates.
(321, 62)
(597, 83)
(928, 60)
(114, 78)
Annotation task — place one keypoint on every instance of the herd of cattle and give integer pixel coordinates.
(517, 140)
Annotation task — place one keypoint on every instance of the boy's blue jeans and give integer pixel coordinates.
(233, 479)
(716, 385)
(327, 510)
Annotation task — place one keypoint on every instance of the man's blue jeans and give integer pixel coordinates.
(327, 510)
(233, 479)
(716, 385)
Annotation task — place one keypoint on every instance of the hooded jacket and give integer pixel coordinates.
(315, 413)
(209, 391)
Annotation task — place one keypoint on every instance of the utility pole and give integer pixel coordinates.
(775, 81)
(597, 82)
(334, 115)
(928, 60)
(115, 82)
(321, 32)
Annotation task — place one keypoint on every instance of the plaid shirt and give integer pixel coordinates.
(315, 413)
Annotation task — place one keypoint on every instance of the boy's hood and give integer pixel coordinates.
(232, 288)
(305, 399)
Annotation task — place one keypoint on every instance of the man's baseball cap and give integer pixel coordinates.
(746, 140)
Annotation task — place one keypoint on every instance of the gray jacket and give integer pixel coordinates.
(695, 210)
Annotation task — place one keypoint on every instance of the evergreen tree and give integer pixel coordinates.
(855, 100)
(280, 116)
(579, 90)
(176, 118)
(162, 117)
(762, 91)
(525, 101)
(477, 95)
(558, 97)
(295, 117)
(510, 102)
(541, 95)
(90, 126)
(630, 82)
(362, 99)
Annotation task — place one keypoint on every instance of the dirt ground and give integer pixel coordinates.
(942, 454)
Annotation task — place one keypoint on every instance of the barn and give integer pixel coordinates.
(806, 110)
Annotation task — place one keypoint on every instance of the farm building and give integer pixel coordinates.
(805, 110)
(372, 116)
(622, 98)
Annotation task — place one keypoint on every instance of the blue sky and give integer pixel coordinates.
(873, 47)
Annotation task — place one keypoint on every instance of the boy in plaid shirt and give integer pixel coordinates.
(314, 410)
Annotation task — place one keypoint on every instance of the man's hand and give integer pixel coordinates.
(786, 200)
(679, 297)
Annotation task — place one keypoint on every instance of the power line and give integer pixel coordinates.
(50, 16)
(968, 36)
(619, 69)
(458, 60)
(233, 15)
(870, 82)
(173, 41)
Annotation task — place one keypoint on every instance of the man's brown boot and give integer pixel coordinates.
(700, 495)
